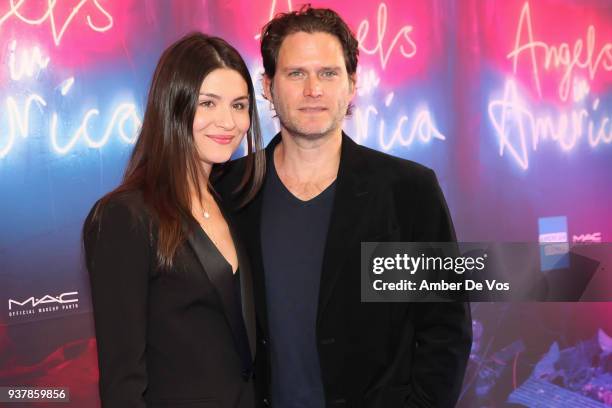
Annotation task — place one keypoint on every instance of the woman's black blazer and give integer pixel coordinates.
(167, 338)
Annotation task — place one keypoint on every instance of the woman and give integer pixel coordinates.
(171, 288)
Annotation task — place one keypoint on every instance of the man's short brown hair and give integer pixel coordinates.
(309, 20)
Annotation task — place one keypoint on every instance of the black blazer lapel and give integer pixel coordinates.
(220, 275)
(349, 207)
(246, 289)
(247, 221)
(250, 223)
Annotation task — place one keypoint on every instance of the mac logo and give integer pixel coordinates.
(67, 297)
(593, 237)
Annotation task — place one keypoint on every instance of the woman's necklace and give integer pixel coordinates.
(205, 212)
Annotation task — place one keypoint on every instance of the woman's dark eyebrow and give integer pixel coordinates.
(215, 96)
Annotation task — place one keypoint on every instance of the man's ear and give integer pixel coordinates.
(267, 87)
(353, 84)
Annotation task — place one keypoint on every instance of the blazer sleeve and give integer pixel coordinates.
(117, 255)
(443, 331)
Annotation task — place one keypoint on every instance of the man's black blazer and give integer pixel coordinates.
(371, 355)
(171, 338)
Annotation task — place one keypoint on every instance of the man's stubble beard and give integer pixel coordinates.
(294, 130)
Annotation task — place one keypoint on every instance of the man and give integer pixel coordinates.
(319, 345)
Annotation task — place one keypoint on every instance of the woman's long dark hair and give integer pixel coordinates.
(164, 164)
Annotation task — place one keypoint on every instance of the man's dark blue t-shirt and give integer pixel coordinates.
(293, 235)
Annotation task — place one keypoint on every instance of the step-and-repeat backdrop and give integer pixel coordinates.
(508, 101)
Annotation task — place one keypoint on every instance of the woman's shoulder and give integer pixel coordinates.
(126, 207)
(132, 200)
(117, 225)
